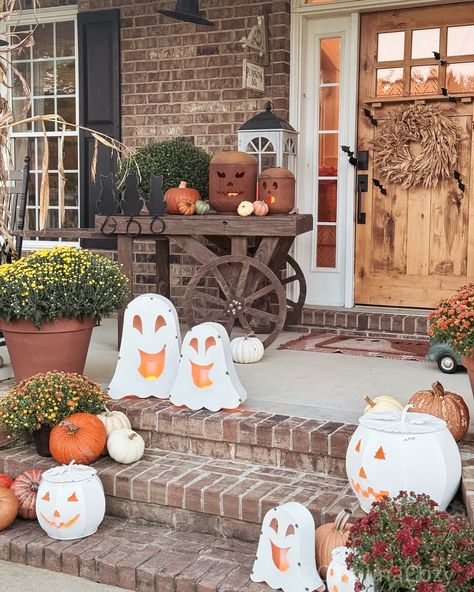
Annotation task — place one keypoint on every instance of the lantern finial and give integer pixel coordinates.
(269, 106)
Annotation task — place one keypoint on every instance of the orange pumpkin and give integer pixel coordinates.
(177, 194)
(9, 505)
(448, 406)
(80, 437)
(25, 487)
(186, 207)
(328, 537)
(260, 208)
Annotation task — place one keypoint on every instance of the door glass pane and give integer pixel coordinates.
(329, 108)
(391, 46)
(461, 40)
(424, 80)
(460, 77)
(389, 82)
(328, 153)
(330, 60)
(327, 200)
(424, 43)
(326, 247)
(44, 42)
(65, 39)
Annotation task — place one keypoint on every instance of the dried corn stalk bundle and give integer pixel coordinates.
(438, 139)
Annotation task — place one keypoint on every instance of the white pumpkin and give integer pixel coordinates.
(245, 208)
(382, 404)
(247, 350)
(125, 446)
(114, 420)
(340, 577)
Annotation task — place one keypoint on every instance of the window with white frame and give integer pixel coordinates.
(50, 69)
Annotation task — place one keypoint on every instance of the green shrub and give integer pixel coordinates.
(177, 160)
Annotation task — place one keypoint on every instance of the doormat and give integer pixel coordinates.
(355, 345)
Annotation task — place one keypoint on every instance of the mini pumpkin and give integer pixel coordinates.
(125, 446)
(9, 506)
(448, 406)
(25, 487)
(114, 420)
(80, 437)
(186, 207)
(5, 480)
(247, 350)
(330, 536)
(381, 404)
(202, 208)
(260, 208)
(245, 208)
(176, 194)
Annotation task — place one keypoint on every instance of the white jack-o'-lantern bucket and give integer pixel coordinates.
(400, 451)
(340, 578)
(70, 502)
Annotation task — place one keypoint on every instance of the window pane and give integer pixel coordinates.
(66, 77)
(70, 153)
(326, 247)
(53, 153)
(43, 78)
(24, 147)
(460, 77)
(65, 39)
(391, 46)
(329, 108)
(18, 84)
(461, 40)
(328, 151)
(424, 43)
(71, 194)
(30, 219)
(67, 109)
(70, 219)
(19, 114)
(43, 107)
(327, 201)
(389, 82)
(424, 80)
(53, 189)
(44, 44)
(52, 221)
(31, 201)
(330, 60)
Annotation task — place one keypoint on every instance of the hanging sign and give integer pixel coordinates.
(253, 76)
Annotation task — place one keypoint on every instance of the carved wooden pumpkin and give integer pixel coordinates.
(80, 438)
(202, 208)
(382, 403)
(232, 179)
(176, 194)
(125, 446)
(114, 420)
(9, 506)
(245, 209)
(329, 536)
(260, 208)
(25, 488)
(276, 187)
(5, 480)
(186, 207)
(448, 406)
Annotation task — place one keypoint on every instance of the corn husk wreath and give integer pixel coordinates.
(437, 136)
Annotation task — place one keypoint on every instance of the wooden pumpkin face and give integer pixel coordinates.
(232, 179)
(276, 187)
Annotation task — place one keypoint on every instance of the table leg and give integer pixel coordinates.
(125, 259)
(162, 251)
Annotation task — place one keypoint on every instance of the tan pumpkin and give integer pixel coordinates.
(25, 487)
(381, 404)
(114, 420)
(186, 207)
(9, 505)
(448, 406)
(245, 208)
(260, 208)
(176, 194)
(328, 537)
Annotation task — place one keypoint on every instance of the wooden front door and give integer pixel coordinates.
(416, 245)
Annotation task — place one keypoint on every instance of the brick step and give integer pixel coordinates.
(243, 435)
(138, 557)
(202, 494)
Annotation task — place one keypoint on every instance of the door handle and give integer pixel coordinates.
(362, 187)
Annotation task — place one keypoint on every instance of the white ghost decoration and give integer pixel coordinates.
(149, 351)
(207, 377)
(285, 555)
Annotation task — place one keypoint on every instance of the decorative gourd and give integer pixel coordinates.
(202, 207)
(176, 194)
(245, 208)
(9, 506)
(25, 487)
(125, 446)
(114, 420)
(260, 208)
(80, 437)
(329, 536)
(5, 480)
(381, 404)
(186, 207)
(448, 406)
(247, 350)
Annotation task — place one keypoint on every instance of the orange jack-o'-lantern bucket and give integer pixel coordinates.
(232, 180)
(276, 187)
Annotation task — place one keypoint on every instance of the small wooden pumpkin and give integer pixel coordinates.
(186, 207)
(202, 207)
(448, 406)
(247, 350)
(260, 208)
(125, 446)
(25, 487)
(80, 437)
(9, 506)
(245, 208)
(5, 480)
(381, 404)
(329, 536)
(176, 194)
(114, 420)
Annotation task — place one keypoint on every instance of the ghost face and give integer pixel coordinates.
(232, 179)
(276, 187)
(281, 536)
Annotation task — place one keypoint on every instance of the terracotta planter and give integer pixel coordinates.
(59, 345)
(468, 363)
(41, 438)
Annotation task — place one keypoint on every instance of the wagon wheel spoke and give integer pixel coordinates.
(229, 323)
(290, 279)
(262, 314)
(244, 273)
(209, 298)
(224, 286)
(260, 293)
(244, 323)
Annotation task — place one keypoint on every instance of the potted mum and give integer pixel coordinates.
(407, 545)
(49, 304)
(453, 322)
(37, 404)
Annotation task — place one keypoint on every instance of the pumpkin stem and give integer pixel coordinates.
(183, 185)
(252, 334)
(72, 427)
(406, 409)
(369, 401)
(341, 520)
(438, 389)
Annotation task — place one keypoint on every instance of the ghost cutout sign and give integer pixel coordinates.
(207, 377)
(149, 351)
(285, 554)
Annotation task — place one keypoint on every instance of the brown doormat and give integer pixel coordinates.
(354, 345)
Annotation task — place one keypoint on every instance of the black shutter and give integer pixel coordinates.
(99, 103)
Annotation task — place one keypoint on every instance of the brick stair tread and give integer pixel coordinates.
(137, 556)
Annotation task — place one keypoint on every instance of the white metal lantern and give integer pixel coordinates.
(340, 578)
(272, 140)
(399, 451)
(70, 503)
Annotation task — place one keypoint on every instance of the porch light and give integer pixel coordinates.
(188, 11)
(272, 140)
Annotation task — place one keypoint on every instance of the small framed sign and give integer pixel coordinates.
(253, 76)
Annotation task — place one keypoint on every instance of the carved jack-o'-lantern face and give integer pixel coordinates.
(63, 511)
(367, 481)
(342, 579)
(276, 187)
(232, 179)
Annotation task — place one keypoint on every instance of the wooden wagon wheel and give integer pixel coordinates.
(294, 275)
(241, 283)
